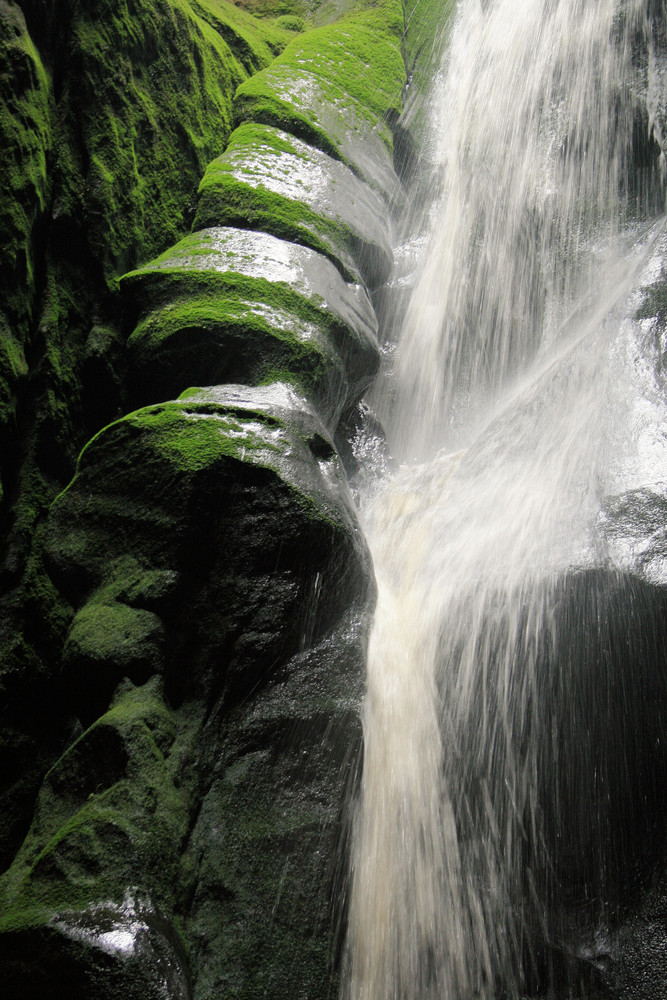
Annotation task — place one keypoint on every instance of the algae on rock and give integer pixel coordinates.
(208, 587)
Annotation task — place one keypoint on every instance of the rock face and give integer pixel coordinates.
(216, 662)
(109, 119)
(207, 590)
(182, 640)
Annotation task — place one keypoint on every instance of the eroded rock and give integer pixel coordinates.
(228, 305)
(268, 180)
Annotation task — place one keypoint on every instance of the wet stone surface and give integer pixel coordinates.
(269, 180)
(229, 305)
(322, 114)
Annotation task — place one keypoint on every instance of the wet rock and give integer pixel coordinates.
(336, 88)
(192, 491)
(269, 842)
(268, 180)
(228, 305)
(76, 916)
(227, 513)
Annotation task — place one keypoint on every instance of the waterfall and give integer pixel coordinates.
(508, 406)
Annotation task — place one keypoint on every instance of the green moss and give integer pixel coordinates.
(223, 298)
(135, 584)
(290, 22)
(26, 139)
(282, 375)
(114, 632)
(13, 369)
(276, 9)
(360, 53)
(152, 115)
(231, 197)
(189, 271)
(192, 445)
(355, 63)
(229, 202)
(216, 319)
(109, 816)
(239, 334)
(272, 311)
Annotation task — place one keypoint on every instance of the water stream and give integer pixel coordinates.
(508, 407)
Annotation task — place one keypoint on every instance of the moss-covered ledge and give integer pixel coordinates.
(268, 180)
(230, 305)
(338, 88)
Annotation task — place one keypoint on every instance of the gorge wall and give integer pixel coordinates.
(197, 219)
(184, 624)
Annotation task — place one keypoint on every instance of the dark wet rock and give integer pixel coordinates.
(109, 819)
(638, 948)
(589, 657)
(193, 491)
(228, 305)
(268, 844)
(268, 180)
(122, 951)
(605, 709)
(226, 521)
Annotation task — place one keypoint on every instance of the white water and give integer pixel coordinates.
(508, 406)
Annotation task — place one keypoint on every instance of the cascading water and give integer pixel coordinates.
(508, 406)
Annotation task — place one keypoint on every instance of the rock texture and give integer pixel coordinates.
(108, 121)
(205, 585)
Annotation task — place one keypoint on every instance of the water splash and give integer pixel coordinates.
(536, 126)
(509, 398)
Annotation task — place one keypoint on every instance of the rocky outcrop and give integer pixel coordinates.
(215, 667)
(109, 118)
(211, 585)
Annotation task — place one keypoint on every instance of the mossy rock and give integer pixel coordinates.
(83, 903)
(13, 370)
(191, 491)
(107, 642)
(26, 138)
(143, 92)
(26, 141)
(269, 846)
(226, 513)
(152, 115)
(337, 88)
(229, 305)
(270, 181)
